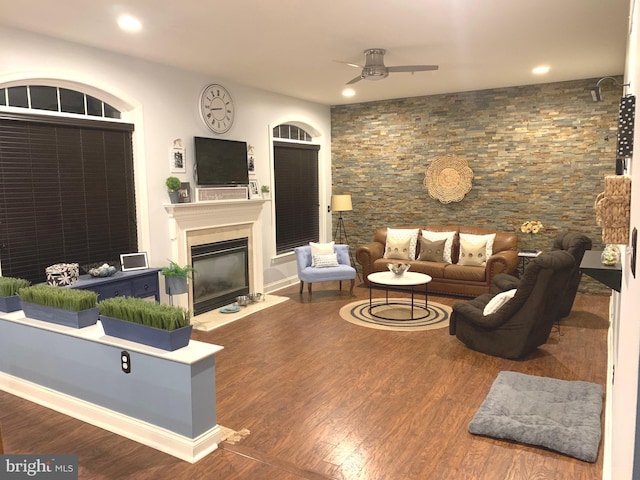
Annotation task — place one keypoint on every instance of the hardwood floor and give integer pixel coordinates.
(325, 399)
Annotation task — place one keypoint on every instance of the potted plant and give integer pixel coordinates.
(150, 323)
(173, 185)
(65, 306)
(175, 282)
(9, 299)
(265, 191)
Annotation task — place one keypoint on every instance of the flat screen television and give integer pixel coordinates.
(220, 162)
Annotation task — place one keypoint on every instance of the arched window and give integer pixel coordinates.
(67, 192)
(56, 99)
(292, 132)
(295, 174)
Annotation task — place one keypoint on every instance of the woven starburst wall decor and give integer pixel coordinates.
(448, 178)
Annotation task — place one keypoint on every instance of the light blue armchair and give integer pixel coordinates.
(309, 274)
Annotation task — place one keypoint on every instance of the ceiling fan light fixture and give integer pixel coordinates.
(375, 69)
(375, 73)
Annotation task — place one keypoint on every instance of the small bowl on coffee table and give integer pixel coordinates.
(398, 268)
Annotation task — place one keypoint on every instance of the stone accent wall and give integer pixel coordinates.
(538, 152)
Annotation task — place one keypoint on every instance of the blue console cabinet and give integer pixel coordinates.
(136, 283)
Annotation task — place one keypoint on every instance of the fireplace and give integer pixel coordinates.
(221, 273)
(202, 223)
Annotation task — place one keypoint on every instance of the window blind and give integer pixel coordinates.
(66, 193)
(296, 195)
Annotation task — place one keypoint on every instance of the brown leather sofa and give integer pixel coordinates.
(447, 278)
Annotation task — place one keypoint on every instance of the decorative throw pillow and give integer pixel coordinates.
(447, 236)
(489, 238)
(401, 234)
(472, 254)
(431, 251)
(320, 249)
(330, 260)
(398, 249)
(499, 300)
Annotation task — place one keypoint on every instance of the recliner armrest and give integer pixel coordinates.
(503, 282)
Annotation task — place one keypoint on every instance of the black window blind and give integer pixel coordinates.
(66, 193)
(296, 195)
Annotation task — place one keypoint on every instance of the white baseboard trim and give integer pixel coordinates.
(607, 459)
(190, 450)
(280, 284)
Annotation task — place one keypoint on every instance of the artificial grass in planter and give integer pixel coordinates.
(144, 312)
(64, 306)
(9, 299)
(59, 297)
(161, 326)
(9, 286)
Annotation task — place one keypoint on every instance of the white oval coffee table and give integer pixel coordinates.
(389, 280)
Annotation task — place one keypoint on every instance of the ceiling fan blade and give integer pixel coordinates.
(357, 79)
(413, 68)
(355, 65)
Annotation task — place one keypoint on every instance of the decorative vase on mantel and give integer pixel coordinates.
(174, 196)
(610, 255)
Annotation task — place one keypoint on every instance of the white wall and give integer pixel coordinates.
(165, 107)
(623, 392)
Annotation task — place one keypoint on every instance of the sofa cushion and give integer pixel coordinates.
(447, 236)
(397, 237)
(322, 261)
(465, 273)
(397, 249)
(431, 251)
(489, 239)
(472, 253)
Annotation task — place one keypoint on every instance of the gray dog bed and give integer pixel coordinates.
(556, 414)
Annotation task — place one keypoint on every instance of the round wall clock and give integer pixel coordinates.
(216, 108)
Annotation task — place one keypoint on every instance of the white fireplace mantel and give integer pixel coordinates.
(195, 218)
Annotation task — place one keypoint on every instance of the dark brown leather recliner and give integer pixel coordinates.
(576, 244)
(523, 323)
(572, 242)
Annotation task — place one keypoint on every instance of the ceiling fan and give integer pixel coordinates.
(374, 68)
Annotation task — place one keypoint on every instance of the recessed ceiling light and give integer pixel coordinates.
(541, 70)
(129, 23)
(348, 92)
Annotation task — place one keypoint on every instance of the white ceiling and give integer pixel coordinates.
(295, 47)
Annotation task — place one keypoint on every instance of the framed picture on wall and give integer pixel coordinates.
(254, 189)
(184, 194)
(177, 160)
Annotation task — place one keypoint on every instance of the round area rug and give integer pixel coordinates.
(358, 314)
